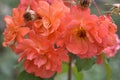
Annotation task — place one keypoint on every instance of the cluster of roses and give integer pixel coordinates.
(44, 31)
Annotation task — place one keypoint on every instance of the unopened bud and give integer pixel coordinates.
(29, 15)
(84, 3)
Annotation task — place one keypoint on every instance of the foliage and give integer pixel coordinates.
(84, 64)
(26, 76)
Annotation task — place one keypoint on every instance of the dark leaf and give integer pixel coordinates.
(84, 64)
(26, 76)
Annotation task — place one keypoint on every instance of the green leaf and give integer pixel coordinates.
(78, 75)
(107, 68)
(26, 76)
(85, 64)
(64, 67)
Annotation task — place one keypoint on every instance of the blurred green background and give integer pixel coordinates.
(8, 59)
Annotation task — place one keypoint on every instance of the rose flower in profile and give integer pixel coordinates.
(15, 31)
(112, 50)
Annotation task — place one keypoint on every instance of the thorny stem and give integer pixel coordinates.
(96, 7)
(70, 68)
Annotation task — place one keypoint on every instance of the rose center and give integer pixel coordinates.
(81, 33)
